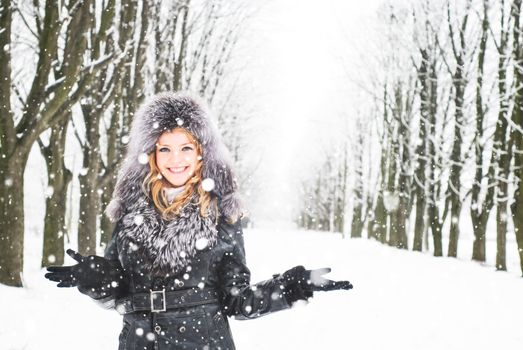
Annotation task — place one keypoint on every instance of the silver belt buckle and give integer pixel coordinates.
(156, 294)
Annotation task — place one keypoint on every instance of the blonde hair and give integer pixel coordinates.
(154, 183)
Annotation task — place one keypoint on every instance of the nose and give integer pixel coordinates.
(178, 157)
(172, 157)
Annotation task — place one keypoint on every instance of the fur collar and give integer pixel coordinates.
(166, 247)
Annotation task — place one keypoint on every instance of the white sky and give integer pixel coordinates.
(301, 54)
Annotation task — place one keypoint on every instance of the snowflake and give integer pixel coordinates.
(208, 184)
(143, 159)
(138, 219)
(202, 243)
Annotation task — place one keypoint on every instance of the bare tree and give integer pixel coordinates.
(46, 103)
(516, 132)
(481, 200)
(358, 200)
(124, 81)
(457, 33)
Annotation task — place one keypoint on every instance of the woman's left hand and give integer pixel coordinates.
(319, 283)
(301, 283)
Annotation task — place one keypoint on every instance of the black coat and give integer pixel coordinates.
(222, 268)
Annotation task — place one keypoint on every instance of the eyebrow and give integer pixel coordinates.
(188, 143)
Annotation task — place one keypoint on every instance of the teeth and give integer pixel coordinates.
(177, 170)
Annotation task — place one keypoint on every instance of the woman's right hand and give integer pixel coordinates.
(91, 271)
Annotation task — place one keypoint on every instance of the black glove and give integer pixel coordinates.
(93, 275)
(301, 283)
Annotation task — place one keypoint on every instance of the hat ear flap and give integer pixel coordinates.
(127, 189)
(225, 187)
(231, 207)
(221, 174)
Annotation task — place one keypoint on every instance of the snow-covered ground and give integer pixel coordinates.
(401, 300)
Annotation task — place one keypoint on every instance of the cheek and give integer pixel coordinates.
(160, 159)
(192, 160)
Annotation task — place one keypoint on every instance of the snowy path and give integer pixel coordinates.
(402, 300)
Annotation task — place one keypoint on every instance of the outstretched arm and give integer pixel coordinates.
(101, 278)
(245, 301)
(240, 299)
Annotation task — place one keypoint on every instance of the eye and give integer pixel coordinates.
(187, 148)
(163, 149)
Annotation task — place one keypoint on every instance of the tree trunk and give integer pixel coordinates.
(89, 195)
(459, 82)
(455, 212)
(421, 151)
(479, 225)
(480, 212)
(433, 210)
(182, 53)
(58, 180)
(379, 227)
(88, 218)
(516, 136)
(403, 118)
(454, 188)
(342, 199)
(380, 221)
(501, 151)
(401, 221)
(501, 237)
(419, 223)
(517, 208)
(435, 227)
(393, 159)
(357, 223)
(12, 219)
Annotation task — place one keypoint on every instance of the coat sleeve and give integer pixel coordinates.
(106, 294)
(239, 298)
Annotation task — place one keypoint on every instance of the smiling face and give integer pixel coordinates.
(176, 157)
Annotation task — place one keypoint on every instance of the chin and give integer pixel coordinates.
(177, 184)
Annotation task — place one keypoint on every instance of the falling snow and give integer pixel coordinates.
(201, 243)
(138, 219)
(208, 184)
(8, 182)
(143, 158)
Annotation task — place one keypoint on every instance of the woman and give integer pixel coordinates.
(175, 266)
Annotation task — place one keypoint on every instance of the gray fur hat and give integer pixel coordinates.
(166, 111)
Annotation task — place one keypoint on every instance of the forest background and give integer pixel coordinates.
(401, 123)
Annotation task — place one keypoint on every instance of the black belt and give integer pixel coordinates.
(162, 300)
